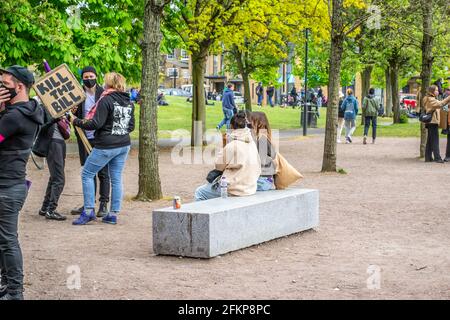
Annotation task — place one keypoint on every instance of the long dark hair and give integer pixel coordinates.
(260, 124)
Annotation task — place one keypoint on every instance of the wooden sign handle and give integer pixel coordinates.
(83, 138)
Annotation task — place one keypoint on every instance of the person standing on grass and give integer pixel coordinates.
(432, 106)
(350, 107)
(112, 118)
(370, 111)
(228, 107)
(270, 92)
(260, 93)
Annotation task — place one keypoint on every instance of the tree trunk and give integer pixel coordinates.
(427, 61)
(337, 46)
(395, 90)
(247, 96)
(388, 92)
(149, 180)
(365, 86)
(198, 101)
(241, 63)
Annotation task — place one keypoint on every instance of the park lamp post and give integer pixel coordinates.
(174, 75)
(305, 108)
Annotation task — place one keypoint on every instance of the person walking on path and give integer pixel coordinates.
(340, 117)
(432, 106)
(370, 109)
(112, 118)
(228, 107)
(350, 107)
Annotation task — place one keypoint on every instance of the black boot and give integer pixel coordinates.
(102, 210)
(53, 215)
(12, 296)
(77, 211)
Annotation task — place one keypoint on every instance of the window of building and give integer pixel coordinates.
(171, 55)
(184, 55)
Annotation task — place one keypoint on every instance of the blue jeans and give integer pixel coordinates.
(206, 192)
(227, 114)
(11, 261)
(260, 99)
(270, 101)
(98, 159)
(264, 184)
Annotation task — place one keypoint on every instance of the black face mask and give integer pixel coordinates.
(90, 83)
(12, 92)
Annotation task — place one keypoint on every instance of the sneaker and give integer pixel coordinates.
(439, 161)
(365, 140)
(102, 210)
(3, 290)
(77, 211)
(110, 218)
(17, 295)
(373, 141)
(42, 212)
(350, 139)
(85, 218)
(53, 215)
(447, 159)
(339, 141)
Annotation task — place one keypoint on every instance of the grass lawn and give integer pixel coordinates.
(177, 115)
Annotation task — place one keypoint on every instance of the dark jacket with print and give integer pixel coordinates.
(113, 121)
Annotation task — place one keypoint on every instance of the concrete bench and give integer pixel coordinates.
(209, 228)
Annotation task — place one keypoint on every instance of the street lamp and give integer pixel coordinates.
(175, 75)
(305, 108)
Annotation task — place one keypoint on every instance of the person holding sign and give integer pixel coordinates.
(19, 122)
(93, 92)
(112, 118)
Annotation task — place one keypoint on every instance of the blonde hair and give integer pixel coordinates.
(114, 80)
(349, 91)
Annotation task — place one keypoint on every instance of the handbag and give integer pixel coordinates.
(286, 174)
(426, 117)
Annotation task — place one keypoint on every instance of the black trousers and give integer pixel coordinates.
(432, 147)
(447, 151)
(56, 161)
(11, 261)
(103, 175)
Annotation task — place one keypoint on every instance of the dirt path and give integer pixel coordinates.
(391, 210)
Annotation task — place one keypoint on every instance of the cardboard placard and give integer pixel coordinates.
(59, 91)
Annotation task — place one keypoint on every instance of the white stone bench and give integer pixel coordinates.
(209, 228)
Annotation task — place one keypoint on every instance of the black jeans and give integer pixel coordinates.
(103, 175)
(56, 163)
(11, 262)
(432, 147)
(367, 121)
(447, 151)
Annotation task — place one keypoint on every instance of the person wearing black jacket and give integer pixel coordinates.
(51, 145)
(20, 120)
(93, 92)
(113, 120)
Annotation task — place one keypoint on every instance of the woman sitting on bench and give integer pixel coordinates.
(238, 161)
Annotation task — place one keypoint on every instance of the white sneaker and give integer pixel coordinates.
(339, 141)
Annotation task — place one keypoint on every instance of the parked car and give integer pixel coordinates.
(408, 101)
(175, 92)
(238, 98)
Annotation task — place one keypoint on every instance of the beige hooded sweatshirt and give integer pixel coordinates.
(240, 163)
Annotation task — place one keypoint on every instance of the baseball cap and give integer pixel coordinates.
(20, 73)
